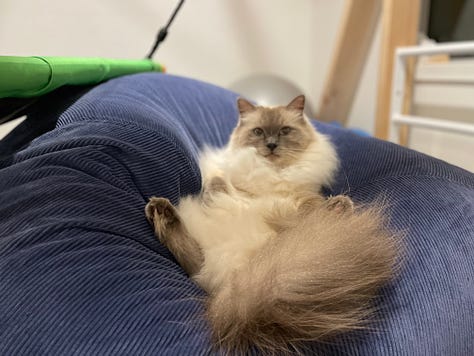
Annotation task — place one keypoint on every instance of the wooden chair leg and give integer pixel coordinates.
(400, 19)
(404, 130)
(352, 48)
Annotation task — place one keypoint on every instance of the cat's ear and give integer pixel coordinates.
(297, 104)
(244, 106)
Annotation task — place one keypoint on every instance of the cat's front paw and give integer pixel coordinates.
(217, 185)
(340, 204)
(214, 185)
(161, 214)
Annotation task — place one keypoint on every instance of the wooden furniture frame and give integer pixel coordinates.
(400, 21)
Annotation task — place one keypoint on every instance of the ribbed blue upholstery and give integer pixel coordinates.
(82, 274)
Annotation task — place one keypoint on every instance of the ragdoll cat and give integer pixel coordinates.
(280, 262)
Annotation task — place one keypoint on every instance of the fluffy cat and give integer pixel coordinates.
(281, 263)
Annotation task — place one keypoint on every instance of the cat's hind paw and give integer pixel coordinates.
(161, 214)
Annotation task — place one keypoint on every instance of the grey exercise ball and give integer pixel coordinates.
(269, 90)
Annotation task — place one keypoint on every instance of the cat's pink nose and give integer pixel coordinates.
(272, 146)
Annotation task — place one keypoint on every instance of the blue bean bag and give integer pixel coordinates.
(82, 274)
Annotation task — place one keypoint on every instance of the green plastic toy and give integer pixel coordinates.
(26, 77)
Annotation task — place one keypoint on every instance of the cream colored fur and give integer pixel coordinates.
(233, 226)
(280, 262)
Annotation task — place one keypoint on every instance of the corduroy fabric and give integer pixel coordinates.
(82, 274)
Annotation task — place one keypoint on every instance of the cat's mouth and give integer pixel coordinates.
(271, 156)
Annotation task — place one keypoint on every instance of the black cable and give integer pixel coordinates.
(164, 31)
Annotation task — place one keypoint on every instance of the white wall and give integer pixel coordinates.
(219, 41)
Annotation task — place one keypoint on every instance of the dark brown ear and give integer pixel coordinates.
(244, 106)
(297, 103)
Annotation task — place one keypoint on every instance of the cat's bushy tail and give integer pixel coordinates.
(315, 280)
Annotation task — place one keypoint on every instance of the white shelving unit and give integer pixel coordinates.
(398, 88)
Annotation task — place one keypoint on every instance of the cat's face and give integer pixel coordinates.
(279, 134)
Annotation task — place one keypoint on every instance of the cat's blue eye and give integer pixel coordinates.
(258, 131)
(285, 130)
